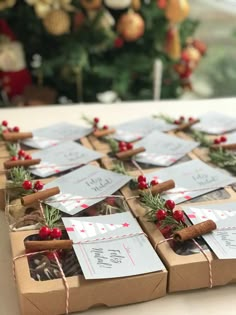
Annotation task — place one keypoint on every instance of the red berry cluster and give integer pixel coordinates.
(96, 121)
(6, 128)
(28, 185)
(142, 182)
(21, 155)
(46, 233)
(220, 140)
(183, 120)
(124, 146)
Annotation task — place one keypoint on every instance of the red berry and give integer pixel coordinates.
(223, 139)
(122, 144)
(38, 185)
(181, 118)
(27, 185)
(4, 123)
(191, 119)
(119, 42)
(161, 215)
(154, 182)
(166, 231)
(56, 233)
(14, 158)
(178, 215)
(129, 146)
(105, 127)
(28, 157)
(176, 122)
(96, 120)
(142, 178)
(142, 185)
(122, 149)
(217, 141)
(9, 129)
(170, 204)
(16, 129)
(44, 232)
(21, 153)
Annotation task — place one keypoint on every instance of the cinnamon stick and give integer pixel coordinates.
(103, 132)
(229, 146)
(15, 136)
(159, 188)
(129, 153)
(36, 246)
(187, 125)
(40, 195)
(194, 231)
(10, 164)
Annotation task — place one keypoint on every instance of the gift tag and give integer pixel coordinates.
(222, 240)
(137, 129)
(163, 149)
(62, 157)
(215, 123)
(111, 246)
(53, 134)
(84, 187)
(193, 178)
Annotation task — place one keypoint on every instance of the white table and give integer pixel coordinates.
(215, 301)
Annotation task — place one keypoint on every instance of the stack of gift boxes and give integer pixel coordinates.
(80, 204)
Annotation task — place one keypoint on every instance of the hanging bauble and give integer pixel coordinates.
(117, 4)
(57, 22)
(172, 46)
(136, 4)
(193, 55)
(131, 26)
(200, 46)
(91, 4)
(177, 10)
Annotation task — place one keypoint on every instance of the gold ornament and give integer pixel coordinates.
(173, 47)
(91, 4)
(131, 26)
(136, 4)
(177, 10)
(57, 22)
(43, 7)
(4, 4)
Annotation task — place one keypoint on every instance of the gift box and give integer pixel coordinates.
(49, 297)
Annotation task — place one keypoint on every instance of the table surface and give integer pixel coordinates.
(220, 300)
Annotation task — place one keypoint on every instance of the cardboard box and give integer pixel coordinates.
(48, 297)
(191, 271)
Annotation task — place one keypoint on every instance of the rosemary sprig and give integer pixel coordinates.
(12, 148)
(164, 117)
(224, 159)
(52, 216)
(118, 167)
(200, 137)
(18, 175)
(113, 144)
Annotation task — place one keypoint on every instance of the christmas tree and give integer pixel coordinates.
(84, 47)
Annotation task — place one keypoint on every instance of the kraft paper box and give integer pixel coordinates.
(48, 297)
(191, 271)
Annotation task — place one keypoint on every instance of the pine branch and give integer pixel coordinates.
(152, 202)
(18, 175)
(201, 138)
(118, 167)
(52, 216)
(113, 144)
(224, 159)
(12, 148)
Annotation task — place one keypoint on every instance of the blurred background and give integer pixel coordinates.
(84, 51)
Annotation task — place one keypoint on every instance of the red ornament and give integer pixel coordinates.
(142, 178)
(170, 204)
(5, 123)
(161, 4)
(178, 215)
(38, 185)
(129, 146)
(27, 185)
(161, 215)
(16, 129)
(44, 232)
(119, 42)
(28, 157)
(154, 182)
(217, 141)
(223, 139)
(56, 233)
(21, 153)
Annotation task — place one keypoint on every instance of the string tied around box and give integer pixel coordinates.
(190, 233)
